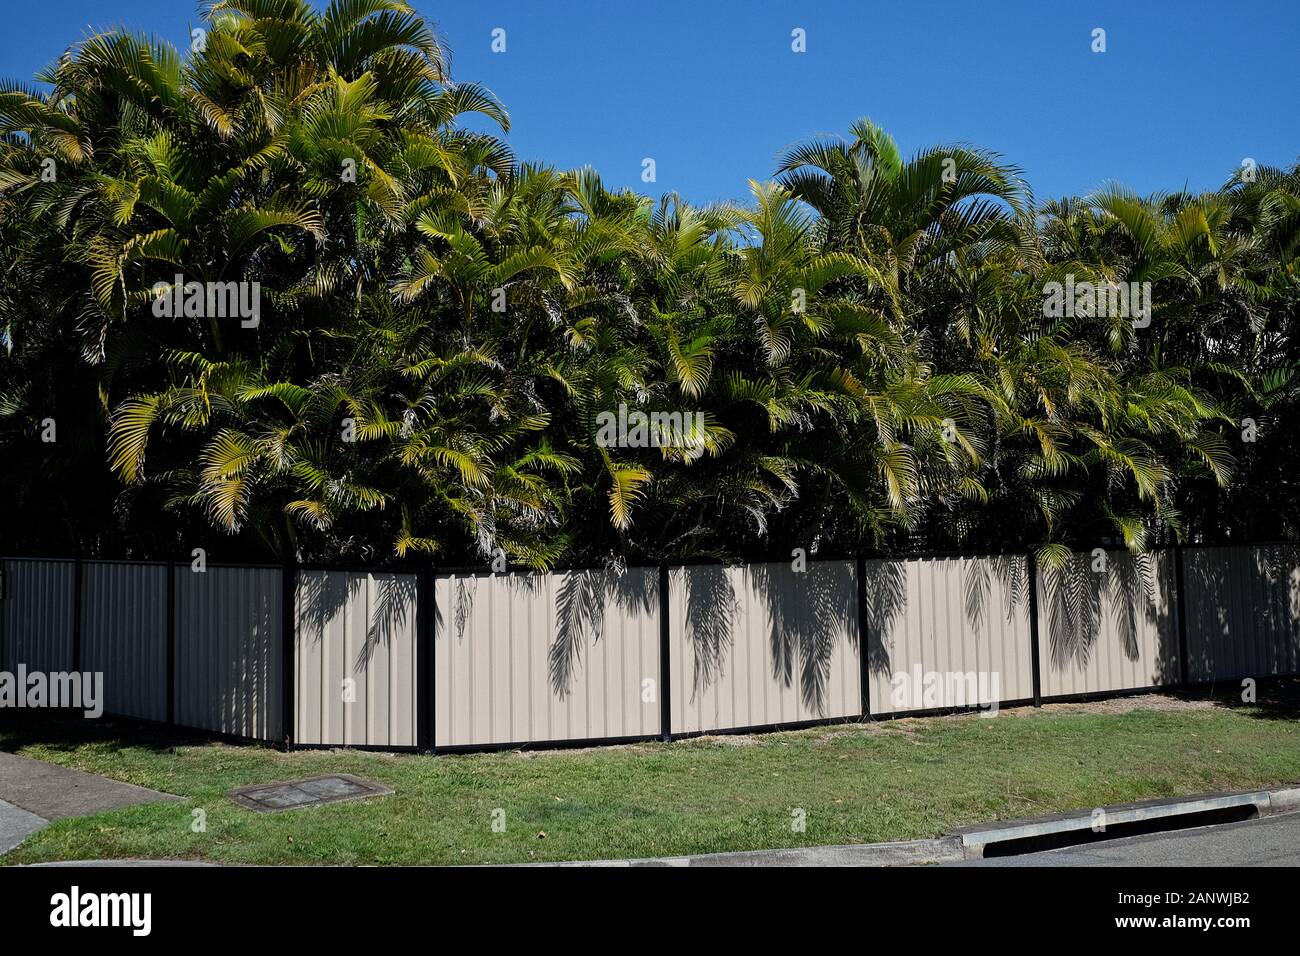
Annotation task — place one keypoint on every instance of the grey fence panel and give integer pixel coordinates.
(124, 635)
(38, 609)
(948, 632)
(1108, 625)
(546, 657)
(229, 651)
(1243, 611)
(356, 659)
(762, 644)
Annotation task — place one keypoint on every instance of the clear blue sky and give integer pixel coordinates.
(712, 91)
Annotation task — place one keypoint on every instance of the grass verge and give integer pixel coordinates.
(859, 783)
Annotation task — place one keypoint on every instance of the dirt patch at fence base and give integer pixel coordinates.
(1110, 705)
(908, 726)
(1123, 705)
(731, 740)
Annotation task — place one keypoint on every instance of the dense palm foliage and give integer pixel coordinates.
(442, 329)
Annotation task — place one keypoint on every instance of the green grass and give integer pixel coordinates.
(857, 783)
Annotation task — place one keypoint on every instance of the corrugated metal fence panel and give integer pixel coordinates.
(1107, 627)
(546, 657)
(762, 644)
(38, 609)
(358, 628)
(948, 632)
(1243, 611)
(229, 651)
(124, 635)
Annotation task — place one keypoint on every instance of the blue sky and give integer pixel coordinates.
(712, 91)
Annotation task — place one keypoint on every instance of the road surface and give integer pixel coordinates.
(1268, 841)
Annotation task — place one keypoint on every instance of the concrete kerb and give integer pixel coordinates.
(975, 839)
(1284, 801)
(904, 853)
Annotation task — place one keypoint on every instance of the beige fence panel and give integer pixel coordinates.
(124, 635)
(762, 644)
(948, 632)
(37, 609)
(356, 660)
(229, 650)
(1108, 622)
(1243, 611)
(546, 657)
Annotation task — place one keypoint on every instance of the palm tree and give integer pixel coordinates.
(443, 328)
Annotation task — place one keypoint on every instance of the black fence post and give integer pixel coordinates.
(1180, 598)
(665, 659)
(171, 642)
(864, 665)
(1033, 628)
(78, 582)
(425, 682)
(4, 628)
(288, 644)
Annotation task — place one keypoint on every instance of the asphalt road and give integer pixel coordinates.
(1268, 841)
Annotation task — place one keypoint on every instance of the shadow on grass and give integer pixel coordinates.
(67, 733)
(1276, 698)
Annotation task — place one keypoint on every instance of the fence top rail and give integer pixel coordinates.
(1243, 544)
(485, 568)
(360, 569)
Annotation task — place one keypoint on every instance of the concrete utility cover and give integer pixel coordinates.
(267, 798)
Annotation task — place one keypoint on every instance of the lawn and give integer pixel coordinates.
(855, 783)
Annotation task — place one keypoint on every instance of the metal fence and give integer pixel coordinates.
(542, 658)
(933, 624)
(762, 645)
(1109, 622)
(125, 635)
(450, 661)
(356, 659)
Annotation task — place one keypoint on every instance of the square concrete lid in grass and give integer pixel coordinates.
(311, 792)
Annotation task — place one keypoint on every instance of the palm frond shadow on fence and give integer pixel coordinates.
(581, 600)
(1134, 590)
(807, 611)
(998, 579)
(390, 609)
(711, 610)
